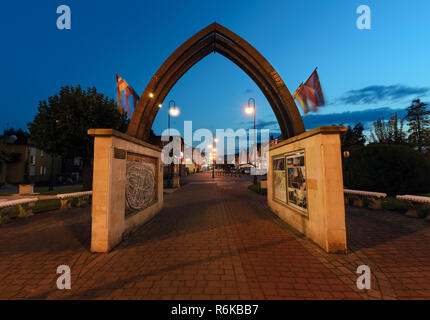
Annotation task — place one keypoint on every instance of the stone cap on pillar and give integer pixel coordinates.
(307, 134)
(118, 134)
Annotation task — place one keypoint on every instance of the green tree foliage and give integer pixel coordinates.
(388, 132)
(353, 137)
(392, 169)
(61, 125)
(418, 119)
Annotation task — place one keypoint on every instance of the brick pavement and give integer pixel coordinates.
(214, 241)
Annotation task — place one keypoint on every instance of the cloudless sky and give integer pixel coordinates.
(134, 38)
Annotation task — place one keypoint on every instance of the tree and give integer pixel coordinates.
(353, 137)
(4, 155)
(418, 120)
(388, 132)
(61, 125)
(393, 169)
(21, 136)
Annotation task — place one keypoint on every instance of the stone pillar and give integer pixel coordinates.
(323, 218)
(116, 210)
(176, 182)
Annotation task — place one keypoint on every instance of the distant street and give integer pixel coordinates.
(214, 239)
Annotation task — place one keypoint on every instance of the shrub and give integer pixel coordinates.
(257, 188)
(387, 168)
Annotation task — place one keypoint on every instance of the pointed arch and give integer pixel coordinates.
(216, 38)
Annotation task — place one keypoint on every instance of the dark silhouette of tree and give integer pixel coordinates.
(418, 120)
(353, 137)
(21, 135)
(388, 132)
(4, 155)
(61, 125)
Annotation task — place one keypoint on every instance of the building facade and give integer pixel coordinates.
(28, 165)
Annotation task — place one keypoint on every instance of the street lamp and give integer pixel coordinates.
(250, 109)
(213, 155)
(174, 112)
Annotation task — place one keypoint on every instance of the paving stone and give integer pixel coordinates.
(210, 242)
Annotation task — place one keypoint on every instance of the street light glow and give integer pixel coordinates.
(249, 110)
(160, 105)
(151, 95)
(174, 112)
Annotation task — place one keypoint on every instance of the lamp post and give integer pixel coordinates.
(174, 112)
(250, 109)
(213, 146)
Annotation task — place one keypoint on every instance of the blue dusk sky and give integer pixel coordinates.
(365, 74)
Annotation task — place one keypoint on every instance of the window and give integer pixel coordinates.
(41, 153)
(33, 160)
(41, 170)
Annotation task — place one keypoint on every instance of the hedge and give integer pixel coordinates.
(391, 169)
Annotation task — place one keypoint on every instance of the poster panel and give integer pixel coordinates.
(279, 180)
(296, 177)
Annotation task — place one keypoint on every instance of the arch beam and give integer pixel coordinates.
(219, 39)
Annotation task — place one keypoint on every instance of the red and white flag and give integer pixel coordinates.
(309, 95)
(121, 86)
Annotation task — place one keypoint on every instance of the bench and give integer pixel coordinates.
(414, 203)
(66, 197)
(375, 198)
(24, 206)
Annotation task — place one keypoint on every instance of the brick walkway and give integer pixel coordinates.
(214, 241)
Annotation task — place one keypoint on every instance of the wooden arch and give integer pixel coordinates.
(219, 39)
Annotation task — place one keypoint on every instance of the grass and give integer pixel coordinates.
(49, 193)
(59, 191)
(7, 193)
(46, 205)
(39, 206)
(256, 188)
(393, 204)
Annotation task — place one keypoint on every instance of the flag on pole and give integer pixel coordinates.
(121, 86)
(309, 95)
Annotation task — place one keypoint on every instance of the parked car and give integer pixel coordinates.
(245, 171)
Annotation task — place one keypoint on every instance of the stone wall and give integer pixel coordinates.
(127, 186)
(322, 218)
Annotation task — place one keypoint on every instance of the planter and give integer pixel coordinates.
(26, 188)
